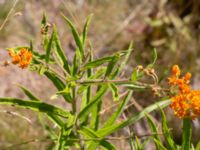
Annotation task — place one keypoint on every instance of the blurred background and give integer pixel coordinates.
(170, 26)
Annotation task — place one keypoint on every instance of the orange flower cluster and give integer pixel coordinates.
(187, 102)
(23, 58)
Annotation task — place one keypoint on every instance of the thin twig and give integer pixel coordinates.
(124, 24)
(112, 106)
(27, 142)
(86, 139)
(117, 81)
(16, 114)
(8, 15)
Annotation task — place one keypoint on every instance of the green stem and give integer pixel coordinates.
(187, 134)
(73, 100)
(76, 126)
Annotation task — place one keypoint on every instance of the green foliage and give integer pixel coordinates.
(83, 127)
(167, 134)
(153, 128)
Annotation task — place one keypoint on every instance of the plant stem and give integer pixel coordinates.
(187, 133)
(117, 81)
(74, 100)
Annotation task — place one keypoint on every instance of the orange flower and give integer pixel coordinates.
(187, 102)
(176, 71)
(23, 58)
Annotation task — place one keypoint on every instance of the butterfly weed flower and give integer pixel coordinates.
(22, 58)
(186, 102)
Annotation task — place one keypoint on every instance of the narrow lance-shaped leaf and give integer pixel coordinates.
(60, 144)
(44, 30)
(59, 84)
(85, 29)
(60, 53)
(49, 48)
(166, 132)
(138, 144)
(155, 56)
(35, 105)
(95, 114)
(198, 145)
(107, 145)
(153, 128)
(111, 65)
(44, 20)
(119, 110)
(127, 55)
(76, 36)
(76, 63)
(30, 95)
(114, 116)
(114, 90)
(98, 62)
(87, 89)
(133, 119)
(94, 101)
(31, 46)
(94, 144)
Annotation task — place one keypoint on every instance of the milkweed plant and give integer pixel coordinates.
(83, 85)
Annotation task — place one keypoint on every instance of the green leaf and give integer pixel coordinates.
(44, 20)
(31, 45)
(155, 56)
(138, 144)
(187, 134)
(114, 90)
(85, 29)
(107, 145)
(65, 92)
(76, 63)
(93, 145)
(120, 109)
(95, 114)
(35, 105)
(132, 86)
(60, 144)
(98, 62)
(111, 65)
(159, 143)
(49, 48)
(198, 146)
(127, 55)
(30, 95)
(134, 75)
(41, 69)
(96, 75)
(154, 130)
(94, 101)
(60, 53)
(167, 135)
(76, 36)
(88, 132)
(133, 119)
(58, 84)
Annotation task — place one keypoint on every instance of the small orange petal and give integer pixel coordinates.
(176, 71)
